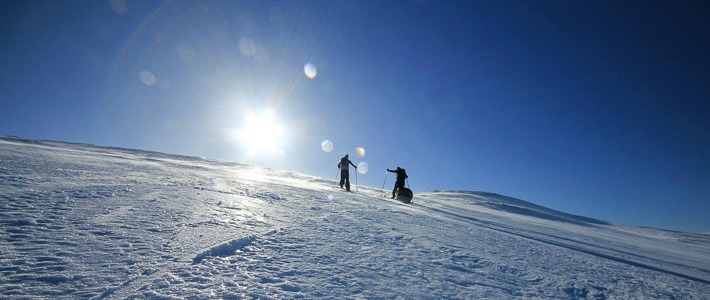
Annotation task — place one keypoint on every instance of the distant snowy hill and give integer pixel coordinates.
(80, 221)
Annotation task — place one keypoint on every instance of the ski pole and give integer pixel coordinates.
(336, 177)
(382, 192)
(356, 179)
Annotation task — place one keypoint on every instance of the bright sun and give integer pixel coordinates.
(261, 133)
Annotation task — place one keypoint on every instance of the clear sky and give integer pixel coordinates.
(598, 108)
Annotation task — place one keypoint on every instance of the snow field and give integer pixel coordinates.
(79, 221)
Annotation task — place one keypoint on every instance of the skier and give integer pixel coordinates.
(399, 184)
(345, 172)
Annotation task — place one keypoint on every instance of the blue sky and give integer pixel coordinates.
(598, 108)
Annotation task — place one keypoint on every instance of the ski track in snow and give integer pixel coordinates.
(79, 221)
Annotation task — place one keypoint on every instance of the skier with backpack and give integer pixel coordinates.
(345, 172)
(399, 184)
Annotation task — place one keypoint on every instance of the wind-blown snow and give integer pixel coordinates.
(79, 221)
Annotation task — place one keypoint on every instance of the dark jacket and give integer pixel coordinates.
(343, 164)
(401, 174)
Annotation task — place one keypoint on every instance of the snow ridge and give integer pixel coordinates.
(223, 250)
(516, 206)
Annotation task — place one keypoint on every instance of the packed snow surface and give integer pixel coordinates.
(79, 221)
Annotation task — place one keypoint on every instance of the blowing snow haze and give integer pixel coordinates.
(85, 222)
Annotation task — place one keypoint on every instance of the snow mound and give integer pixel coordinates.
(512, 205)
(223, 250)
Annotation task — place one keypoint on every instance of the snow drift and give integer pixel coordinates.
(80, 221)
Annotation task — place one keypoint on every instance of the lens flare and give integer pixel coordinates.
(217, 184)
(362, 168)
(360, 151)
(247, 47)
(327, 145)
(262, 55)
(250, 49)
(310, 70)
(147, 78)
(119, 6)
(330, 197)
(186, 53)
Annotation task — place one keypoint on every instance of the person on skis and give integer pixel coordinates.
(345, 172)
(401, 177)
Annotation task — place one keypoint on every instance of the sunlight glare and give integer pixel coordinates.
(262, 133)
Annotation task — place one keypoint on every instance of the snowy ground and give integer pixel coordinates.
(78, 221)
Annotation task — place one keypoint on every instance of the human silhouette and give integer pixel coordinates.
(345, 172)
(401, 177)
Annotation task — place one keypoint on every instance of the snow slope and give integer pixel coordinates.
(79, 221)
